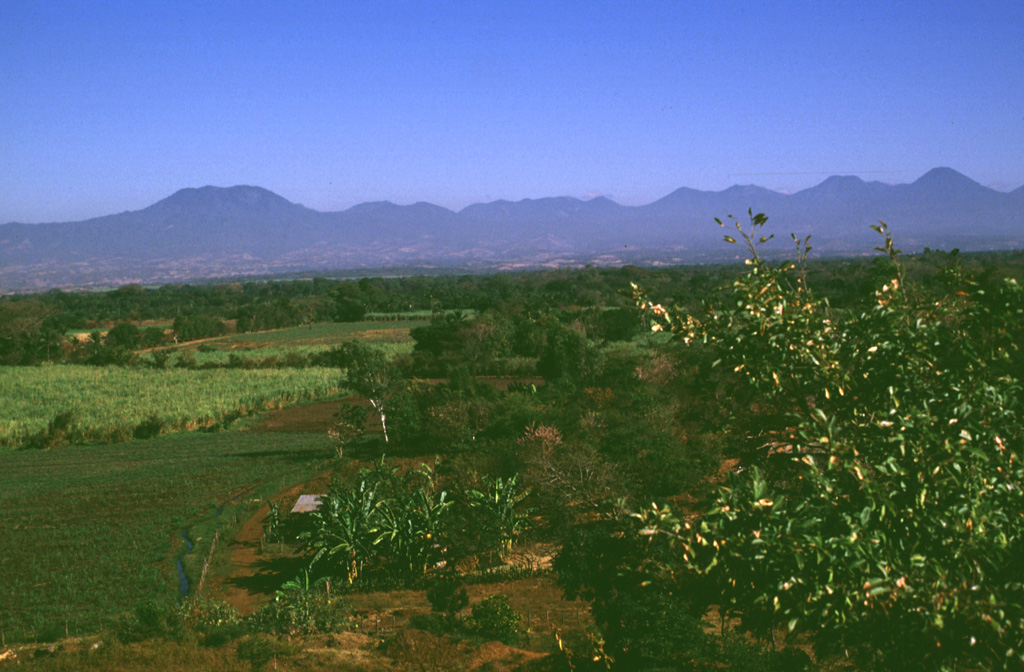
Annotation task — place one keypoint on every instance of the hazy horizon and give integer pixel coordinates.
(585, 197)
(114, 107)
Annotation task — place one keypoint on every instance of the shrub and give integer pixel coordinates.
(494, 618)
(152, 426)
(447, 595)
(301, 607)
(216, 622)
(655, 630)
(149, 619)
(57, 433)
(159, 359)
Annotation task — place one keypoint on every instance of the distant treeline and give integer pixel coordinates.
(34, 327)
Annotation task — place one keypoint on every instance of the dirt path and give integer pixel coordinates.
(253, 576)
(245, 561)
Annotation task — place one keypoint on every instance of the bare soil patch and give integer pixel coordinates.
(254, 574)
(316, 417)
(396, 335)
(428, 651)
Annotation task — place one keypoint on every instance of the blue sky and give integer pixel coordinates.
(111, 106)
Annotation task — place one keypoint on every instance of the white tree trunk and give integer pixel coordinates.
(379, 407)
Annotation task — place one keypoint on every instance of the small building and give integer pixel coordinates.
(307, 503)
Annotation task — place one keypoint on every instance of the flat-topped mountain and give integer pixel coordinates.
(213, 232)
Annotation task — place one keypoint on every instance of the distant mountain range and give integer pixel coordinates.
(214, 232)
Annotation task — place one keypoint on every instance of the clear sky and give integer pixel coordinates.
(111, 106)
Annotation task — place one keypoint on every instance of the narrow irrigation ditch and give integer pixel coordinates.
(183, 583)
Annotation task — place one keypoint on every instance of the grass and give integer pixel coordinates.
(110, 402)
(90, 530)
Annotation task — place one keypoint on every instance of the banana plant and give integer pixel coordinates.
(410, 525)
(504, 516)
(347, 525)
(394, 521)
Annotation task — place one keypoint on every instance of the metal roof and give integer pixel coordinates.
(307, 503)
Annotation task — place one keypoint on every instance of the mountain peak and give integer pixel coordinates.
(370, 206)
(836, 186)
(945, 178)
(746, 189)
(843, 180)
(210, 196)
(237, 190)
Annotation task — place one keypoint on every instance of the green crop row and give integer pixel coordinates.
(90, 530)
(267, 355)
(109, 403)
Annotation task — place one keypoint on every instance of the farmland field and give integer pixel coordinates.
(521, 442)
(326, 334)
(90, 530)
(391, 336)
(108, 403)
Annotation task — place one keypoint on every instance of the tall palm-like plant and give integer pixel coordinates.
(503, 513)
(386, 517)
(347, 525)
(410, 524)
(409, 527)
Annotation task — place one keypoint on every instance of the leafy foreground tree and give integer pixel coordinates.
(897, 536)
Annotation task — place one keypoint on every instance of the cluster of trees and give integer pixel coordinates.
(393, 521)
(298, 301)
(31, 340)
(875, 507)
(498, 340)
(197, 326)
(600, 423)
(33, 327)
